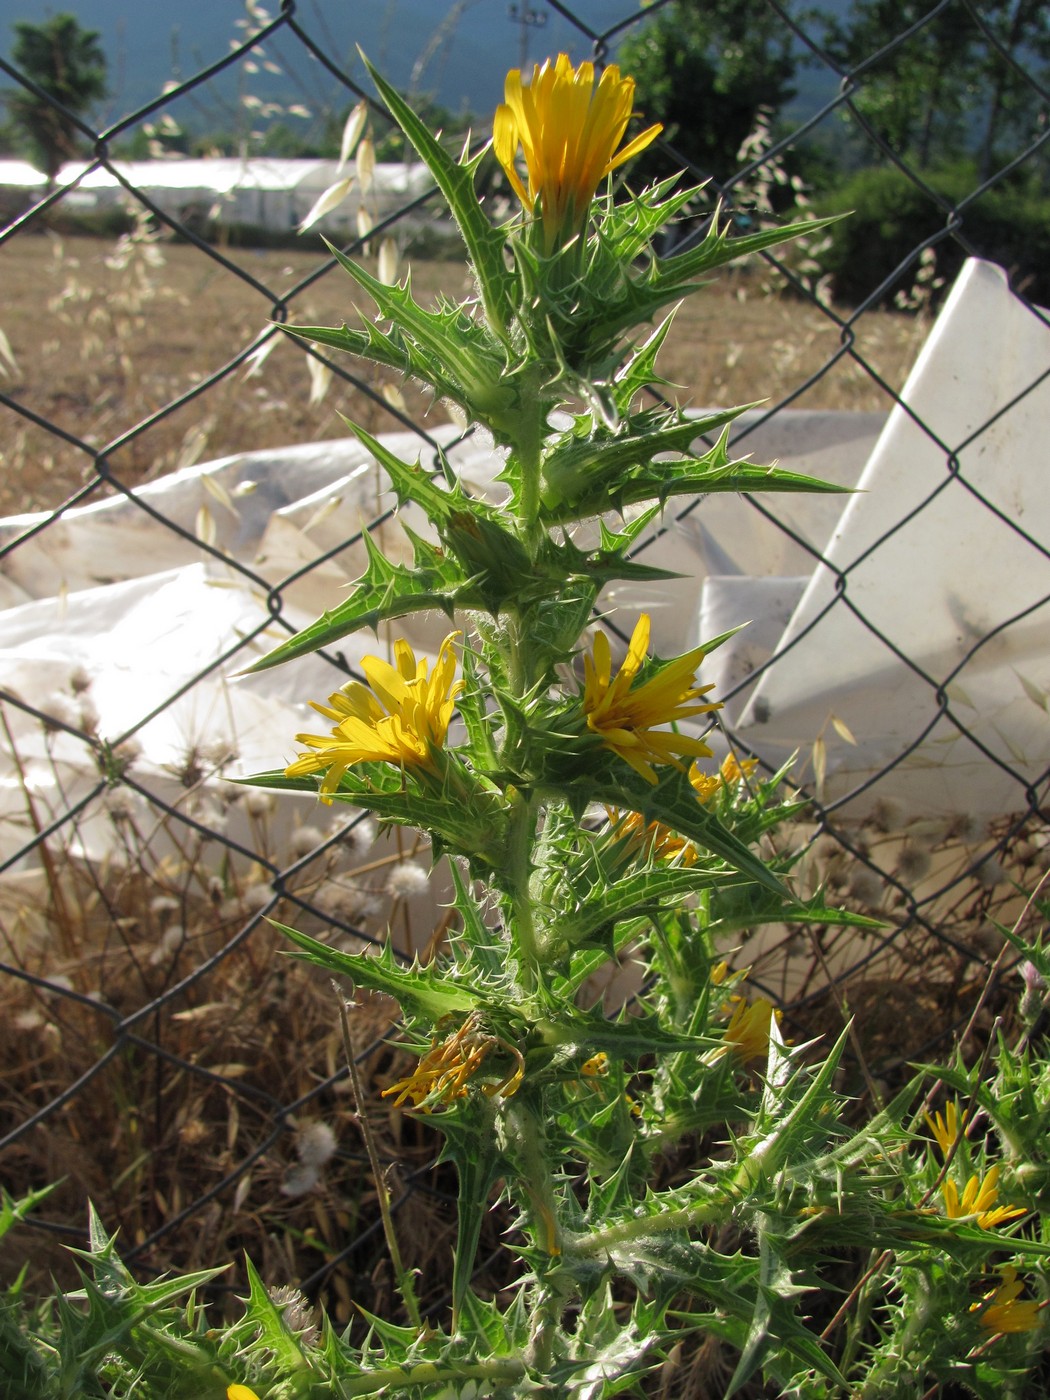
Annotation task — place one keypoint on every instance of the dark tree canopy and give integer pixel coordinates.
(705, 68)
(947, 90)
(67, 63)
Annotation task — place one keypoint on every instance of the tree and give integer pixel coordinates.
(67, 63)
(915, 97)
(705, 68)
(1016, 107)
(946, 90)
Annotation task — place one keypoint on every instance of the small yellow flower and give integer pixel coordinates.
(978, 1199)
(736, 770)
(449, 1065)
(240, 1392)
(947, 1129)
(652, 840)
(569, 132)
(748, 1031)
(706, 784)
(627, 720)
(596, 1066)
(1000, 1310)
(401, 716)
(732, 771)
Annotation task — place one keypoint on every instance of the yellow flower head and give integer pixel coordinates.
(401, 716)
(569, 131)
(1001, 1312)
(732, 771)
(735, 770)
(649, 840)
(748, 1031)
(240, 1392)
(596, 1066)
(947, 1129)
(626, 717)
(450, 1064)
(978, 1199)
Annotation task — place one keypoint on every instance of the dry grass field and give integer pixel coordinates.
(105, 336)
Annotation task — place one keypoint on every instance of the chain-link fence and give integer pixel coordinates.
(160, 1055)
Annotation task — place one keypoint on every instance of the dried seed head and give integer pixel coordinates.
(169, 944)
(990, 873)
(407, 879)
(125, 754)
(865, 886)
(88, 715)
(61, 708)
(359, 837)
(304, 840)
(913, 862)
(967, 828)
(119, 804)
(298, 1180)
(256, 896)
(296, 1311)
(259, 804)
(887, 815)
(316, 1144)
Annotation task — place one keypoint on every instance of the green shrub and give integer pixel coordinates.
(891, 216)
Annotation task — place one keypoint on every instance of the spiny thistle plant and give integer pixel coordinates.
(676, 1172)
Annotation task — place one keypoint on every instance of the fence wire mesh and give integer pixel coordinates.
(160, 1056)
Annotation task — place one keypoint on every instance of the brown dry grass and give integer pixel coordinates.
(212, 1090)
(102, 343)
(155, 1045)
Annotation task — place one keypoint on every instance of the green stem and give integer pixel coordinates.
(529, 453)
(404, 1278)
(519, 862)
(393, 1379)
(890, 1370)
(526, 1142)
(687, 1218)
(517, 661)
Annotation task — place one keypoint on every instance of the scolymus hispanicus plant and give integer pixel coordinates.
(584, 821)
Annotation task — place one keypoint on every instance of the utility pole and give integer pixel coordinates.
(526, 17)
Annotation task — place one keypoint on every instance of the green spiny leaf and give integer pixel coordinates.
(775, 1325)
(456, 182)
(671, 276)
(639, 893)
(472, 1143)
(589, 459)
(420, 991)
(381, 348)
(674, 802)
(411, 483)
(273, 1331)
(384, 592)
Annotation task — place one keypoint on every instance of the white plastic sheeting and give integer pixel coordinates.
(108, 594)
(945, 612)
(262, 191)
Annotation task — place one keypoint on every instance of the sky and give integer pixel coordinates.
(460, 49)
